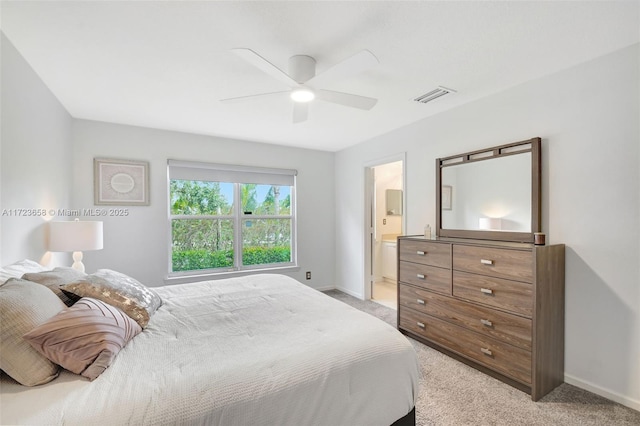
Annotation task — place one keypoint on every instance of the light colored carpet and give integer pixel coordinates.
(452, 393)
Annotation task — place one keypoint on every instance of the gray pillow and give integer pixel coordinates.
(23, 306)
(55, 279)
(119, 290)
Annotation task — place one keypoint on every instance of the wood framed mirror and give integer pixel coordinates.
(490, 194)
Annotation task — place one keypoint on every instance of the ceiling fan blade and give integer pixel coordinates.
(355, 64)
(249, 97)
(346, 99)
(300, 112)
(265, 66)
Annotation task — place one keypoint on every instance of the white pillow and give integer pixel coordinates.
(19, 268)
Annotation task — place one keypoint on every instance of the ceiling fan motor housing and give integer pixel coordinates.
(302, 68)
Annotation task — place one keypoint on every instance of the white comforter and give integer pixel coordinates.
(259, 350)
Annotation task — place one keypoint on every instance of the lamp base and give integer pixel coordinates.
(77, 261)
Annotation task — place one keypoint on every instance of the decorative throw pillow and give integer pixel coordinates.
(119, 290)
(23, 306)
(55, 279)
(84, 338)
(18, 269)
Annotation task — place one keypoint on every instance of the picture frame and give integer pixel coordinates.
(447, 191)
(120, 182)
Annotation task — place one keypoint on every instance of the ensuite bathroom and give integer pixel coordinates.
(389, 212)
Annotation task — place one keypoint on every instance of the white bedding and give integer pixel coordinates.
(259, 350)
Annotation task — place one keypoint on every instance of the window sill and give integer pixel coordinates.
(182, 279)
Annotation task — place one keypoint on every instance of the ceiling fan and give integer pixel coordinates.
(305, 85)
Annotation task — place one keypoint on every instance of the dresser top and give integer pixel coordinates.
(469, 241)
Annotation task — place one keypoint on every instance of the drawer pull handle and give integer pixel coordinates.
(420, 253)
(420, 301)
(486, 351)
(486, 322)
(421, 325)
(486, 261)
(421, 276)
(486, 290)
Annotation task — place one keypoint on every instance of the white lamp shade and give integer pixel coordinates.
(75, 236)
(493, 223)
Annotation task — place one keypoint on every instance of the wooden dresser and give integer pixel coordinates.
(497, 306)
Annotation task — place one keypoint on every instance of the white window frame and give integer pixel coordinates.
(197, 171)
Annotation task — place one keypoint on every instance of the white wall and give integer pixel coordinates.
(138, 244)
(588, 119)
(35, 155)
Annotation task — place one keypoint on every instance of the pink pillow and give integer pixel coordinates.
(84, 338)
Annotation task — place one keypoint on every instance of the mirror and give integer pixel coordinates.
(490, 194)
(393, 202)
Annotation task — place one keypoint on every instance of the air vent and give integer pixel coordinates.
(434, 94)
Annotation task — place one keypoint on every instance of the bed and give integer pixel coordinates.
(257, 350)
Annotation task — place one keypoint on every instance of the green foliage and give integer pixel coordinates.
(249, 194)
(266, 232)
(265, 255)
(192, 260)
(285, 205)
(198, 198)
(195, 234)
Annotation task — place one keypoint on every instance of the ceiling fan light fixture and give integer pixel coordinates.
(302, 95)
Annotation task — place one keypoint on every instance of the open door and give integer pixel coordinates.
(384, 220)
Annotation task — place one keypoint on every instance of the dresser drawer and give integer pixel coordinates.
(429, 277)
(508, 328)
(501, 357)
(426, 253)
(512, 296)
(501, 263)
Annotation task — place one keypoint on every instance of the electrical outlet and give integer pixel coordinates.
(384, 221)
(308, 275)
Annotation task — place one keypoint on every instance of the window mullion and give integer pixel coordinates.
(201, 216)
(237, 227)
(263, 216)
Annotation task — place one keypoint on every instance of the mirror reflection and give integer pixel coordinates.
(394, 202)
(489, 195)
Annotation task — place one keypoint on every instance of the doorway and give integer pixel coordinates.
(385, 220)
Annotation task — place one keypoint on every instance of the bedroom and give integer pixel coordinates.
(586, 112)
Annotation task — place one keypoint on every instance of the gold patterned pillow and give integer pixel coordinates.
(119, 290)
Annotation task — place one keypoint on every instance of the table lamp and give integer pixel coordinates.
(75, 236)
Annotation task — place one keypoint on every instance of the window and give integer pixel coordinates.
(230, 218)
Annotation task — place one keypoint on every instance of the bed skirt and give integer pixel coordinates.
(408, 420)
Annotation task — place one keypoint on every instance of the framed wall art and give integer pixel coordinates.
(120, 182)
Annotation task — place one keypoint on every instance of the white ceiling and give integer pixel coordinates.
(166, 65)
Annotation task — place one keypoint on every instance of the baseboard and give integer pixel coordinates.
(605, 393)
(350, 293)
(325, 288)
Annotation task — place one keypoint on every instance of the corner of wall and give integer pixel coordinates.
(35, 159)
